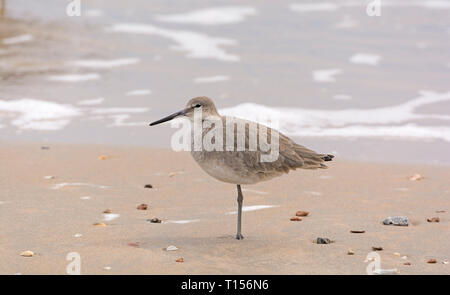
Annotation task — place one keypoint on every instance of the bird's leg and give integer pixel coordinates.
(240, 198)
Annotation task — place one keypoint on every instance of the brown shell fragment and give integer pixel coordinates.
(432, 260)
(357, 231)
(180, 259)
(100, 224)
(302, 213)
(296, 218)
(27, 253)
(377, 248)
(142, 207)
(433, 219)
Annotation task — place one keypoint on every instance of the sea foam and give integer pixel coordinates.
(38, 114)
(196, 45)
(210, 16)
(397, 121)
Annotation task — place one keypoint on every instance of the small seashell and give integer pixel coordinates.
(27, 253)
(440, 211)
(357, 231)
(396, 220)
(405, 257)
(148, 186)
(296, 218)
(432, 260)
(445, 262)
(407, 263)
(171, 174)
(142, 207)
(154, 220)
(102, 157)
(100, 224)
(416, 177)
(396, 254)
(107, 211)
(377, 248)
(171, 248)
(77, 235)
(49, 177)
(302, 213)
(85, 198)
(180, 259)
(350, 252)
(107, 267)
(133, 244)
(433, 219)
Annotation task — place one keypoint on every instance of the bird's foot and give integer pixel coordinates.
(239, 237)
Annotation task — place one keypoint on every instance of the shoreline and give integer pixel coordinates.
(44, 215)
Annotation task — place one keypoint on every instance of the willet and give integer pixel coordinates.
(239, 161)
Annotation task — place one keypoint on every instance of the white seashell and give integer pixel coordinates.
(171, 248)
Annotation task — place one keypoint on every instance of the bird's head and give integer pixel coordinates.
(203, 103)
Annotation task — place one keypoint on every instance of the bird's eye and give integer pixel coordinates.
(197, 105)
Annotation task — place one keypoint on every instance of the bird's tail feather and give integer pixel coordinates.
(311, 159)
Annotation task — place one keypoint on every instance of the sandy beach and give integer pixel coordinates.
(52, 195)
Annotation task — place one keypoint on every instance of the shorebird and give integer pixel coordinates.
(242, 164)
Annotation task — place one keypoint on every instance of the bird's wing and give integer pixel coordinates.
(290, 154)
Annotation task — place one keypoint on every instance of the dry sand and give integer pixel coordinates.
(348, 196)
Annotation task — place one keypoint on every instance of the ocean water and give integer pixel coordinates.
(329, 75)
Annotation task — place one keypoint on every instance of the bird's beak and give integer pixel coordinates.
(170, 117)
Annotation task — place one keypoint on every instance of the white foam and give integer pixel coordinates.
(365, 58)
(253, 208)
(89, 102)
(342, 96)
(390, 121)
(325, 75)
(74, 77)
(212, 79)
(434, 4)
(18, 39)
(330, 7)
(138, 92)
(309, 7)
(93, 12)
(121, 120)
(102, 63)
(196, 45)
(119, 110)
(110, 216)
(211, 16)
(182, 221)
(38, 114)
(64, 184)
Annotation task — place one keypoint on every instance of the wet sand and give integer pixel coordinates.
(42, 215)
